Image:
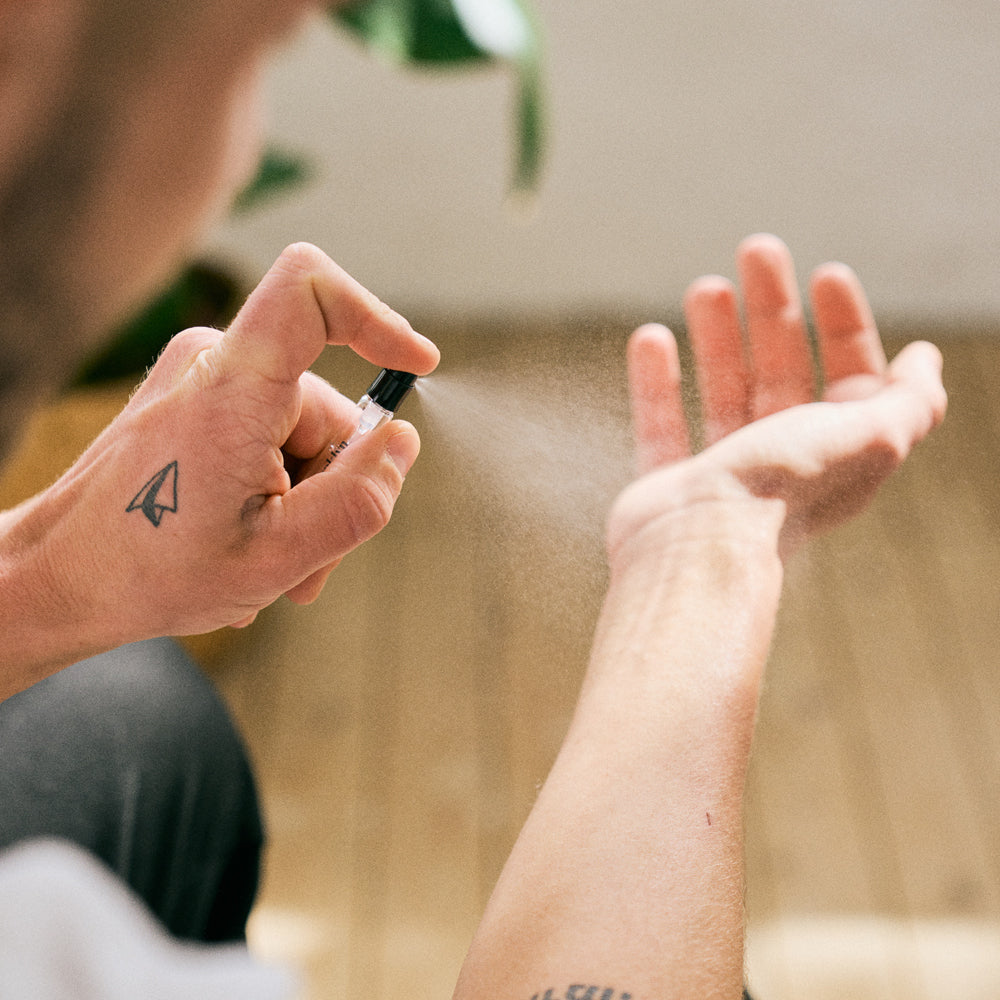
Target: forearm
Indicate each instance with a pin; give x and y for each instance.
(48, 620)
(627, 879)
(628, 875)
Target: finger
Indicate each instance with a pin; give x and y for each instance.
(310, 588)
(328, 515)
(782, 365)
(853, 358)
(911, 403)
(717, 341)
(658, 420)
(917, 370)
(304, 302)
(325, 415)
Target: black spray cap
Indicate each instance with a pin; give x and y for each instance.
(389, 388)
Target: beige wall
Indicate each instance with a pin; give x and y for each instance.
(863, 130)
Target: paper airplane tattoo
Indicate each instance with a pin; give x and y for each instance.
(158, 495)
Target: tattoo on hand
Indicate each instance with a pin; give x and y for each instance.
(580, 992)
(159, 494)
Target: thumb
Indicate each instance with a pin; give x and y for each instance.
(327, 515)
(914, 400)
(918, 366)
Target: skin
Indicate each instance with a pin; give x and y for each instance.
(628, 874)
(126, 131)
(237, 411)
(629, 871)
(168, 100)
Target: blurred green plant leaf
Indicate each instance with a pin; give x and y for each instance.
(443, 32)
(277, 172)
(409, 32)
(417, 31)
(201, 295)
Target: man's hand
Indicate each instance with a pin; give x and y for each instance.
(775, 457)
(185, 514)
(629, 870)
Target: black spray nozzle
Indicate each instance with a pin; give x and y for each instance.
(389, 388)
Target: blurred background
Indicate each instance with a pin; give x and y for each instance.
(858, 131)
(402, 725)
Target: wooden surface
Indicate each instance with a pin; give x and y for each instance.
(402, 725)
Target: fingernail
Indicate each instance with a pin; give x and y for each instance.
(403, 448)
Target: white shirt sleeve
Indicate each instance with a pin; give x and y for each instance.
(69, 930)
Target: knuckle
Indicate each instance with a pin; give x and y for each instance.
(179, 354)
(188, 343)
(301, 259)
(373, 315)
(367, 507)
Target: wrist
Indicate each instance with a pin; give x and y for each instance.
(49, 618)
(691, 509)
(696, 578)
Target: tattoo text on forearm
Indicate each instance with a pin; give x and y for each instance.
(581, 992)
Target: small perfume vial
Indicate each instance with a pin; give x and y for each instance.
(382, 399)
(378, 405)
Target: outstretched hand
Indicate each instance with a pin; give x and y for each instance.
(810, 464)
(186, 514)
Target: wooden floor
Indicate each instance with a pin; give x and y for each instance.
(402, 725)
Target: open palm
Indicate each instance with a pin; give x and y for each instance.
(771, 432)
